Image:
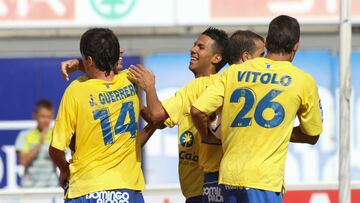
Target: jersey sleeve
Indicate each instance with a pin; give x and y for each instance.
(213, 96)
(175, 107)
(65, 123)
(169, 123)
(310, 112)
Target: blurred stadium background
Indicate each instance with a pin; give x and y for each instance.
(35, 35)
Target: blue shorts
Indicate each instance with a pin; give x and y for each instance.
(113, 196)
(249, 195)
(211, 189)
(196, 199)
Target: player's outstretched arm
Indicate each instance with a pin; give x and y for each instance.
(58, 157)
(145, 114)
(145, 79)
(200, 121)
(299, 137)
(144, 135)
(70, 66)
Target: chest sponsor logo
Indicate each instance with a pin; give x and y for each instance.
(187, 139)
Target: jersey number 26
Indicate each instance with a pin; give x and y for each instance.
(265, 103)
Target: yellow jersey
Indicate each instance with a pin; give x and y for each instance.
(260, 100)
(104, 117)
(194, 157)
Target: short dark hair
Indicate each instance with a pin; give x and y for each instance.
(241, 41)
(43, 103)
(221, 42)
(283, 34)
(103, 46)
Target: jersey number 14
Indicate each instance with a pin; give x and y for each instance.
(120, 126)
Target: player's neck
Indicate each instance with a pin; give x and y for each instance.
(279, 56)
(240, 61)
(206, 72)
(100, 75)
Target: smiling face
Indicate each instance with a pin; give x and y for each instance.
(202, 54)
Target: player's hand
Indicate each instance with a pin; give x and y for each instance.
(68, 67)
(141, 76)
(211, 139)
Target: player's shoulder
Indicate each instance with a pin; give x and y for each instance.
(304, 76)
(196, 82)
(245, 64)
(79, 80)
(201, 83)
(75, 86)
(254, 62)
(189, 87)
(123, 73)
(122, 76)
(233, 67)
(194, 86)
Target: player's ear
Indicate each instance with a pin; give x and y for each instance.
(90, 61)
(296, 46)
(265, 42)
(216, 58)
(245, 56)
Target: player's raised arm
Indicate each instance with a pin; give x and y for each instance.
(144, 135)
(145, 79)
(70, 66)
(205, 105)
(200, 120)
(145, 113)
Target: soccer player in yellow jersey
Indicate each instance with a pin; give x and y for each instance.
(102, 109)
(207, 58)
(260, 99)
(243, 46)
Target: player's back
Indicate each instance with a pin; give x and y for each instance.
(262, 98)
(104, 118)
